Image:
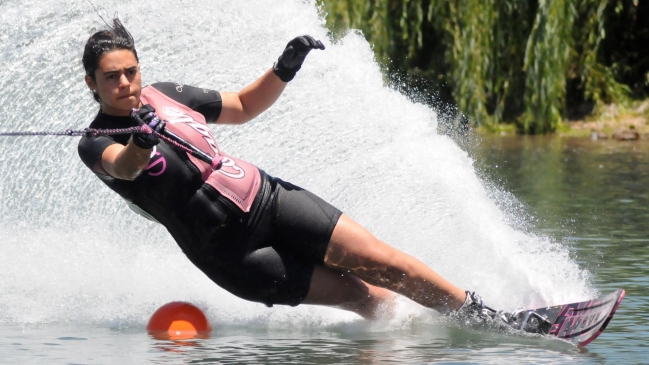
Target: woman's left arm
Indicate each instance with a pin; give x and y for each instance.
(241, 107)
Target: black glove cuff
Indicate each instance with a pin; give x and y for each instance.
(285, 74)
(143, 142)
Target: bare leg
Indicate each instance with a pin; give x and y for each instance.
(345, 291)
(354, 249)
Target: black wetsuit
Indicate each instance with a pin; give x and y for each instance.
(265, 255)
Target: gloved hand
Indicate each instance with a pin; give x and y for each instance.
(293, 56)
(145, 116)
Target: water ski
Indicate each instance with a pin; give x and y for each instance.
(579, 323)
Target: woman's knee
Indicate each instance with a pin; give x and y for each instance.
(332, 287)
(346, 291)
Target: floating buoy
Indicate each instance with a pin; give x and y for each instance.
(178, 321)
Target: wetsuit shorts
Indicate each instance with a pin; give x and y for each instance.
(268, 255)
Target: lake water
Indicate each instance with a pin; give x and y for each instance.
(587, 195)
(525, 222)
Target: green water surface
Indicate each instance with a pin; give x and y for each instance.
(593, 196)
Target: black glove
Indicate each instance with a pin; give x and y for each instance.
(293, 56)
(145, 117)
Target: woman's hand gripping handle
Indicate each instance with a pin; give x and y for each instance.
(150, 123)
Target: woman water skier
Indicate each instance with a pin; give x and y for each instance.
(260, 238)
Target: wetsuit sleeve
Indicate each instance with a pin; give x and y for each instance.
(90, 150)
(205, 101)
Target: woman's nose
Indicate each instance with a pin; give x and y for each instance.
(123, 81)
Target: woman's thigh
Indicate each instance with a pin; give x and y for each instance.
(303, 222)
(353, 247)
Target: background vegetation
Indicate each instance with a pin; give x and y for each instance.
(534, 63)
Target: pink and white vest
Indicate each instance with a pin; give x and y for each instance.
(236, 179)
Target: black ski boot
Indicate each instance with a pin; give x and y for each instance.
(474, 310)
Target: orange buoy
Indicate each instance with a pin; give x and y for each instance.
(178, 321)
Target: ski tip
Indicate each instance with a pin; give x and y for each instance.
(615, 297)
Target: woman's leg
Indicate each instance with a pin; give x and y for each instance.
(354, 249)
(345, 291)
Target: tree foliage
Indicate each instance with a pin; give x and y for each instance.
(531, 62)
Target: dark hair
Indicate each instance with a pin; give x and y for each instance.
(114, 38)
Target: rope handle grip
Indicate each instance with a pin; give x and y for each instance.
(215, 162)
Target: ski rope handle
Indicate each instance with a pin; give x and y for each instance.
(214, 162)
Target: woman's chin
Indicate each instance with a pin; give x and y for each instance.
(128, 102)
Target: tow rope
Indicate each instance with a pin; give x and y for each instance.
(170, 137)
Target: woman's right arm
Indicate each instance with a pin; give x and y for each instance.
(125, 162)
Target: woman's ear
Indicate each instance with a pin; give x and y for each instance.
(91, 83)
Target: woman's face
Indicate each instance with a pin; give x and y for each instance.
(117, 81)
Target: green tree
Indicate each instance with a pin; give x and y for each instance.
(531, 62)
